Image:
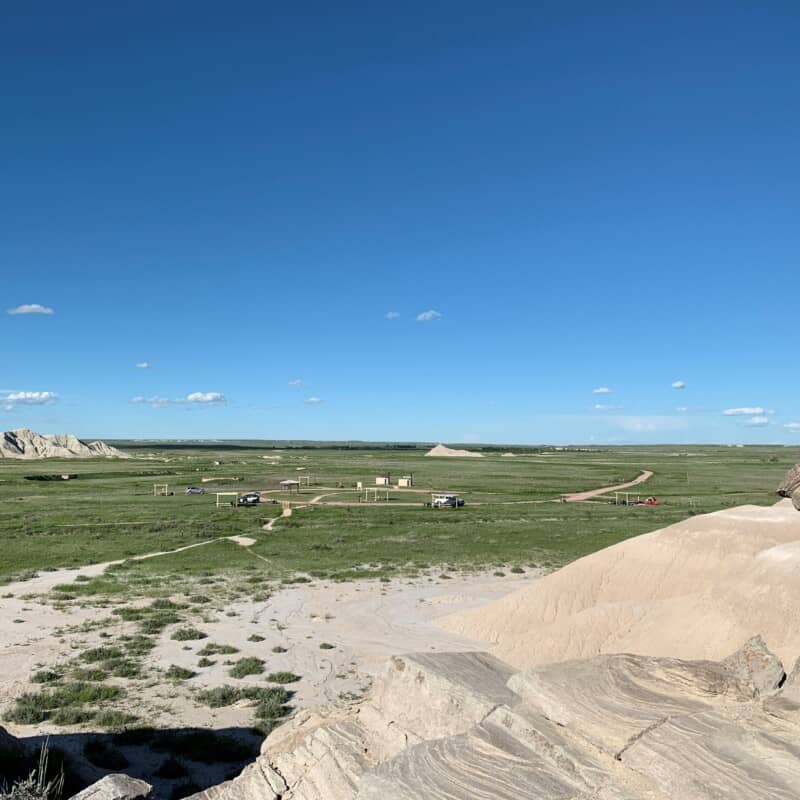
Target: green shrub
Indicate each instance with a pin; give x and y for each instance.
(71, 716)
(187, 635)
(254, 637)
(212, 649)
(177, 673)
(205, 662)
(46, 676)
(283, 677)
(246, 666)
(100, 654)
(279, 649)
(326, 646)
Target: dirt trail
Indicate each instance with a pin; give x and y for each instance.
(287, 512)
(577, 496)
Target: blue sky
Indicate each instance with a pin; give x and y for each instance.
(587, 196)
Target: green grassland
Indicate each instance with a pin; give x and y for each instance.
(109, 512)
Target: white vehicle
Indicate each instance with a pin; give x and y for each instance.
(447, 500)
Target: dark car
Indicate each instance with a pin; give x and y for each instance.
(249, 499)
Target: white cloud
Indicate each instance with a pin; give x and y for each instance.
(601, 390)
(392, 314)
(194, 398)
(679, 385)
(757, 422)
(296, 382)
(144, 365)
(313, 401)
(13, 399)
(792, 426)
(205, 397)
(602, 407)
(427, 316)
(745, 411)
(31, 308)
(682, 409)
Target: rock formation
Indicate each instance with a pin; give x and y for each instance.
(613, 727)
(441, 451)
(790, 487)
(116, 787)
(24, 443)
(696, 589)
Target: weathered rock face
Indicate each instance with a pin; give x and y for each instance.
(613, 727)
(116, 787)
(24, 443)
(693, 590)
(790, 487)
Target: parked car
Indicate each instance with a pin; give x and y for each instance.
(249, 499)
(195, 490)
(448, 501)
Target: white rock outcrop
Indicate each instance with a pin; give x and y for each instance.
(442, 451)
(696, 589)
(25, 443)
(448, 726)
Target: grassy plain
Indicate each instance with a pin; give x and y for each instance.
(109, 512)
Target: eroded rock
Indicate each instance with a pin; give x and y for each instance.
(790, 486)
(116, 787)
(614, 727)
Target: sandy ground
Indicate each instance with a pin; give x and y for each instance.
(578, 496)
(365, 621)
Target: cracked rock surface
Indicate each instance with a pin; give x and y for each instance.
(612, 727)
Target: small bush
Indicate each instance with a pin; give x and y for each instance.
(254, 637)
(212, 649)
(177, 673)
(283, 677)
(114, 721)
(101, 654)
(326, 646)
(71, 716)
(279, 649)
(46, 676)
(89, 674)
(246, 666)
(517, 570)
(188, 635)
(205, 662)
(199, 599)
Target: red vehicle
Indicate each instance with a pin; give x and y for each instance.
(651, 501)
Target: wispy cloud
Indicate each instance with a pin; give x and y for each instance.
(313, 401)
(427, 316)
(604, 407)
(392, 315)
(297, 382)
(744, 411)
(194, 398)
(205, 397)
(679, 384)
(13, 399)
(757, 422)
(794, 427)
(601, 390)
(144, 365)
(31, 308)
(682, 409)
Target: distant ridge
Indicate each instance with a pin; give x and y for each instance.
(25, 443)
(441, 451)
